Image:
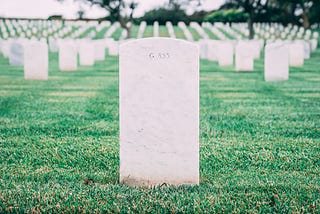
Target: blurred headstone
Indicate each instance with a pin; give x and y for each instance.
(36, 61)
(276, 65)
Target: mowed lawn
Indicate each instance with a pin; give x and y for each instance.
(259, 143)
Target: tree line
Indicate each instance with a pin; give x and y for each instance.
(298, 12)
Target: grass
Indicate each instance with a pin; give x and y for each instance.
(148, 32)
(259, 143)
(163, 31)
(179, 33)
(87, 32)
(210, 34)
(196, 36)
(100, 34)
(227, 35)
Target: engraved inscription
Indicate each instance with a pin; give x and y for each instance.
(155, 56)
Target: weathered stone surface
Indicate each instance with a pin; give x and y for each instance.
(159, 112)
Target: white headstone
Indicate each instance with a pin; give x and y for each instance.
(113, 48)
(99, 50)
(212, 49)
(244, 57)
(68, 56)
(159, 112)
(276, 64)
(314, 44)
(225, 56)
(16, 56)
(54, 45)
(6, 45)
(86, 53)
(156, 29)
(36, 61)
(296, 54)
(306, 49)
(203, 47)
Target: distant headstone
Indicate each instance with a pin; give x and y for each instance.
(16, 56)
(53, 45)
(296, 54)
(5, 48)
(159, 112)
(113, 48)
(212, 47)
(314, 44)
(156, 29)
(306, 49)
(203, 47)
(99, 50)
(276, 67)
(244, 57)
(86, 53)
(36, 61)
(68, 56)
(225, 56)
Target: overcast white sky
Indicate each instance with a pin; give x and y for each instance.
(45, 8)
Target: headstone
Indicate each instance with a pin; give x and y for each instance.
(306, 49)
(225, 56)
(276, 64)
(68, 56)
(113, 48)
(212, 47)
(314, 44)
(99, 50)
(244, 57)
(159, 112)
(86, 53)
(203, 47)
(156, 29)
(296, 54)
(53, 45)
(36, 61)
(16, 56)
(6, 45)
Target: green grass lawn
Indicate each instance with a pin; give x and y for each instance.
(259, 143)
(179, 33)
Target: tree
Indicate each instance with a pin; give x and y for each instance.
(251, 7)
(162, 15)
(119, 10)
(307, 10)
(227, 16)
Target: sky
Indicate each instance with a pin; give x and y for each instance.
(45, 8)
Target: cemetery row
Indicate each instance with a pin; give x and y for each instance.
(52, 30)
(279, 55)
(159, 138)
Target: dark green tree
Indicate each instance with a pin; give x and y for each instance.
(227, 16)
(118, 10)
(253, 8)
(307, 11)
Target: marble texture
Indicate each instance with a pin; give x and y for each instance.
(159, 112)
(68, 56)
(276, 64)
(36, 61)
